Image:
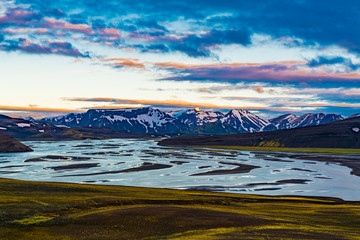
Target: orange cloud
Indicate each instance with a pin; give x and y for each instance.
(214, 65)
(355, 92)
(122, 62)
(127, 64)
(25, 30)
(173, 103)
(54, 23)
(281, 71)
(259, 89)
(35, 112)
(36, 109)
(110, 31)
(337, 91)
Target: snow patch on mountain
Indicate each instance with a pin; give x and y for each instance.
(288, 121)
(23, 125)
(192, 121)
(355, 115)
(244, 121)
(198, 117)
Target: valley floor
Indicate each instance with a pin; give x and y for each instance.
(42, 210)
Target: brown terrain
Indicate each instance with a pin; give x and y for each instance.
(340, 134)
(9, 144)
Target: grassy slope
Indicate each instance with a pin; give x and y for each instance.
(38, 210)
(337, 135)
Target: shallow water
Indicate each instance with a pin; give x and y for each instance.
(134, 162)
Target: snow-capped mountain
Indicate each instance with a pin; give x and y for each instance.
(135, 120)
(71, 119)
(284, 121)
(193, 122)
(197, 117)
(29, 119)
(355, 115)
(288, 121)
(244, 121)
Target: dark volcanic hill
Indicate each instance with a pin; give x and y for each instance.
(340, 134)
(22, 129)
(9, 144)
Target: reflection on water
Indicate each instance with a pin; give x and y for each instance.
(135, 162)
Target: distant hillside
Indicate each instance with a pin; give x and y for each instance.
(340, 134)
(9, 144)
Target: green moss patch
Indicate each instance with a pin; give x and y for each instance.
(40, 210)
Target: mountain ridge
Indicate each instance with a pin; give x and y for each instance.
(154, 121)
(149, 122)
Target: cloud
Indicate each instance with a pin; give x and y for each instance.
(271, 72)
(36, 109)
(19, 16)
(122, 62)
(326, 91)
(64, 25)
(259, 89)
(324, 60)
(266, 72)
(48, 47)
(173, 103)
(211, 23)
(200, 46)
(25, 30)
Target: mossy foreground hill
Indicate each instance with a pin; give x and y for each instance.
(38, 210)
(340, 134)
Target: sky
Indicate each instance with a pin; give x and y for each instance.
(269, 57)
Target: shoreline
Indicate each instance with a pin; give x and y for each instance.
(277, 149)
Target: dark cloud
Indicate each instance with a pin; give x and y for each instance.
(54, 12)
(199, 46)
(308, 22)
(27, 46)
(322, 60)
(19, 16)
(194, 45)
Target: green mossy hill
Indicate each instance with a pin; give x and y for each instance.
(39, 210)
(340, 134)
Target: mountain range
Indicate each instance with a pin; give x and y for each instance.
(188, 122)
(140, 122)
